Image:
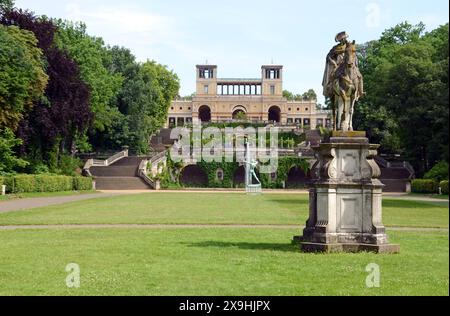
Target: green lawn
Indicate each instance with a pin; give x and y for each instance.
(195, 208)
(42, 194)
(203, 262)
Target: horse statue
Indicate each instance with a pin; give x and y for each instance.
(343, 82)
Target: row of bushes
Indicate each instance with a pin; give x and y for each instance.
(45, 183)
(429, 186)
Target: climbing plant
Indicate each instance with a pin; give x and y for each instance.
(170, 176)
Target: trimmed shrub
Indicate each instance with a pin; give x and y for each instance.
(424, 186)
(444, 187)
(45, 183)
(48, 183)
(24, 184)
(82, 184)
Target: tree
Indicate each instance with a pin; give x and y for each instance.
(93, 59)
(288, 95)
(22, 76)
(55, 122)
(310, 95)
(6, 5)
(406, 80)
(8, 159)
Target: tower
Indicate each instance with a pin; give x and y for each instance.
(206, 80)
(272, 80)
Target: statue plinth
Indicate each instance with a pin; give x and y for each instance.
(346, 198)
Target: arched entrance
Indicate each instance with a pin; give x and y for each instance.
(297, 178)
(204, 114)
(193, 176)
(239, 113)
(239, 177)
(275, 114)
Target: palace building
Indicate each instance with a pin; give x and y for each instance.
(260, 100)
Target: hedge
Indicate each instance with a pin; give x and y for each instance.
(424, 186)
(82, 184)
(444, 187)
(45, 183)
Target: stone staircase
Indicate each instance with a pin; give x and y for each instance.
(313, 137)
(122, 175)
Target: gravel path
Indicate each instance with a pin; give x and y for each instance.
(178, 226)
(30, 203)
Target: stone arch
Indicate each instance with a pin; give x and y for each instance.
(193, 176)
(239, 109)
(275, 114)
(239, 176)
(204, 114)
(297, 178)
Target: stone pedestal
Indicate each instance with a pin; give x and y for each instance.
(346, 198)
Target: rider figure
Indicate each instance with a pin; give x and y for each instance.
(334, 59)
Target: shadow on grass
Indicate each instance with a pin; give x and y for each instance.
(246, 246)
(297, 202)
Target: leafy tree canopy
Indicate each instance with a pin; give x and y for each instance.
(92, 57)
(8, 159)
(406, 107)
(22, 76)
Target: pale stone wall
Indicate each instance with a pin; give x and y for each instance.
(256, 107)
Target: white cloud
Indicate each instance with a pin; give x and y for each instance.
(117, 22)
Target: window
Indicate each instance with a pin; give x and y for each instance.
(306, 109)
(172, 108)
(172, 122)
(219, 175)
(189, 108)
(272, 90)
(320, 122)
(273, 74)
(290, 109)
(290, 121)
(181, 108)
(298, 109)
(206, 89)
(206, 73)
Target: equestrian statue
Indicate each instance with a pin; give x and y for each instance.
(343, 83)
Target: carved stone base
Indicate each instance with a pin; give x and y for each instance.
(346, 199)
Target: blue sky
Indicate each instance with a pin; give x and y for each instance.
(240, 35)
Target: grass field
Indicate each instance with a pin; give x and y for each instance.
(45, 194)
(195, 208)
(212, 261)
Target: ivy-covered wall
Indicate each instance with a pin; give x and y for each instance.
(170, 178)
